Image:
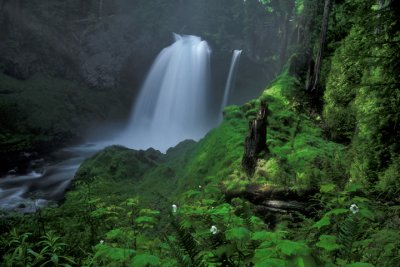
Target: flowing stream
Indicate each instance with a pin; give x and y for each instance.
(172, 106)
(44, 181)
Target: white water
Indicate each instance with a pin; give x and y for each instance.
(230, 82)
(28, 192)
(172, 104)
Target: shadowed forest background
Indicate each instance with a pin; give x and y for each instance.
(300, 169)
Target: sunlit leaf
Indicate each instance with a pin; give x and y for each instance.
(328, 243)
(321, 223)
(145, 260)
(293, 248)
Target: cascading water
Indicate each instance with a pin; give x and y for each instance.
(231, 77)
(172, 104)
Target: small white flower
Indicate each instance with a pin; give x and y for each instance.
(199, 186)
(354, 209)
(213, 230)
(101, 241)
(174, 208)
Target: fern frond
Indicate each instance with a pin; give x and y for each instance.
(347, 235)
(178, 254)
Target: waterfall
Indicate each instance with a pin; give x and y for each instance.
(172, 104)
(231, 77)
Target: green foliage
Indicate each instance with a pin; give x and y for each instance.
(328, 243)
(359, 264)
(51, 251)
(361, 97)
(292, 248)
(300, 156)
(21, 252)
(109, 255)
(118, 212)
(238, 234)
(145, 260)
(389, 179)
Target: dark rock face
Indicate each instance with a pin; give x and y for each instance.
(256, 143)
(97, 41)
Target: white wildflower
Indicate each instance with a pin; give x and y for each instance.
(213, 230)
(174, 208)
(101, 241)
(199, 186)
(354, 209)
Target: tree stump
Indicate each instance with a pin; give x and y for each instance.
(256, 142)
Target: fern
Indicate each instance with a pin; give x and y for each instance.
(187, 243)
(177, 253)
(347, 235)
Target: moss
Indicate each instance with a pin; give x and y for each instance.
(232, 112)
(119, 163)
(297, 145)
(300, 157)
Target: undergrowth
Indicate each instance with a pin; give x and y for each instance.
(144, 208)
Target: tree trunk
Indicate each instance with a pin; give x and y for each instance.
(256, 142)
(324, 29)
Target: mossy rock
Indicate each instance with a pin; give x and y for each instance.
(119, 163)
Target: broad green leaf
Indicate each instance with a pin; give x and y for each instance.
(145, 219)
(271, 263)
(273, 237)
(115, 233)
(327, 188)
(227, 249)
(192, 193)
(220, 210)
(293, 248)
(360, 200)
(337, 212)
(260, 236)
(238, 233)
(359, 264)
(303, 261)
(262, 254)
(328, 242)
(208, 202)
(145, 260)
(353, 187)
(149, 212)
(132, 201)
(367, 213)
(54, 259)
(323, 222)
(110, 253)
(98, 213)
